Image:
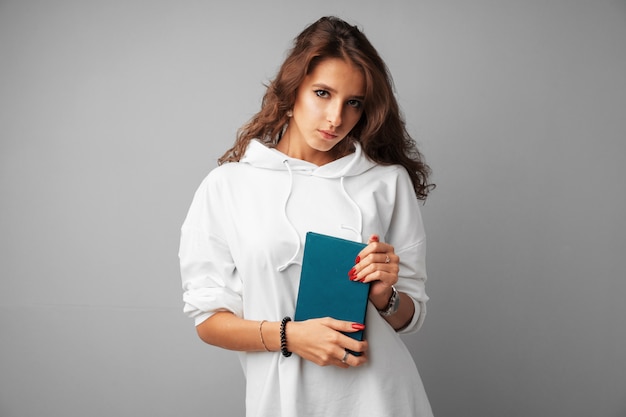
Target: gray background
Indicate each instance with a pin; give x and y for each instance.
(112, 112)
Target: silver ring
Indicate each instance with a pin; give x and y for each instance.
(345, 356)
(387, 260)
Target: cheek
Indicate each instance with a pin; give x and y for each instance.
(310, 107)
(353, 118)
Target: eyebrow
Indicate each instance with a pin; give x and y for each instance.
(332, 90)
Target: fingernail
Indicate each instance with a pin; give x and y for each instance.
(352, 274)
(357, 260)
(358, 326)
(375, 238)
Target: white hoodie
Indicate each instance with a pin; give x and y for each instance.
(241, 251)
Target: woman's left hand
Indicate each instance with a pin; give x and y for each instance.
(377, 264)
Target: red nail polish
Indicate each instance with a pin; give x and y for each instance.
(375, 238)
(358, 326)
(357, 260)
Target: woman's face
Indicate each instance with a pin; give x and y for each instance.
(329, 103)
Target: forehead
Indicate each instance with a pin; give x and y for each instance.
(338, 74)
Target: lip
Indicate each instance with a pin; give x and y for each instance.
(328, 134)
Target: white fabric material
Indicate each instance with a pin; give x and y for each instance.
(241, 251)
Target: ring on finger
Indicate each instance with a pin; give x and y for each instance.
(345, 356)
(387, 259)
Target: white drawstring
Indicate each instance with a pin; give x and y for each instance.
(358, 210)
(293, 228)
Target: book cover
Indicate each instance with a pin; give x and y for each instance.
(325, 288)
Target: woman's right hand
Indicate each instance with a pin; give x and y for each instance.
(321, 341)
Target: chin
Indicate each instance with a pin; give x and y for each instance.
(324, 145)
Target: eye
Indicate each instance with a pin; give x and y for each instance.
(355, 103)
(322, 93)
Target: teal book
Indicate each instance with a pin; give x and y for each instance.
(325, 287)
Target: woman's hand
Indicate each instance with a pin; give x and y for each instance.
(317, 340)
(377, 264)
(321, 341)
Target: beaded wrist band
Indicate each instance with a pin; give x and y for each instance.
(283, 337)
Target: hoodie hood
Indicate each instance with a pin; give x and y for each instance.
(260, 156)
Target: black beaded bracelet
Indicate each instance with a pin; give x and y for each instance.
(283, 337)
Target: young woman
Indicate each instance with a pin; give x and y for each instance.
(328, 152)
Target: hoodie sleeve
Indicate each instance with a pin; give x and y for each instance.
(209, 276)
(406, 233)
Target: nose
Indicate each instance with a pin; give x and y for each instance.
(333, 113)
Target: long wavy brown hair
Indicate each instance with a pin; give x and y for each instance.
(381, 131)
